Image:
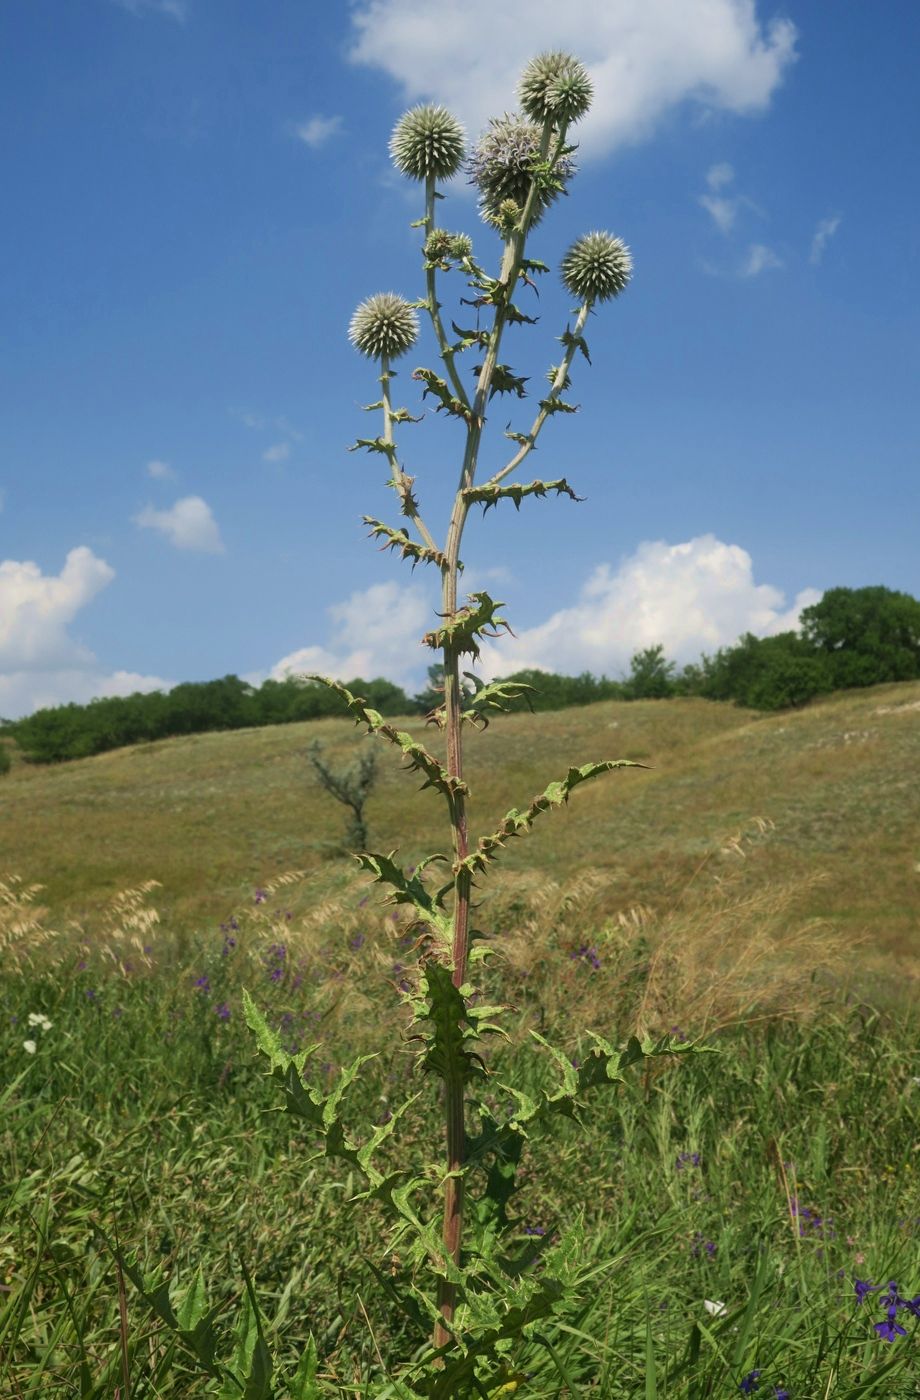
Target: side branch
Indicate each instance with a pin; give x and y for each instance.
(408, 548)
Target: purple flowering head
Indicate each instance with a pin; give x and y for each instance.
(260, 896)
(750, 1383)
(534, 1230)
(222, 1012)
(687, 1159)
(780, 1393)
(863, 1287)
(356, 942)
(203, 984)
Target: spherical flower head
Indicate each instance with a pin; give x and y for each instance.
(502, 167)
(597, 267)
(461, 246)
(555, 85)
(384, 325)
(428, 141)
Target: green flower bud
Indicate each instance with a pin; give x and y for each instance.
(596, 267)
(555, 85)
(428, 141)
(385, 324)
(461, 246)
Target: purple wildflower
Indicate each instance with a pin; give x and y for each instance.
(687, 1159)
(863, 1287)
(356, 942)
(701, 1246)
(534, 1230)
(750, 1383)
(260, 896)
(222, 1011)
(203, 984)
(780, 1393)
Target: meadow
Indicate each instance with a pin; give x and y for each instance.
(756, 887)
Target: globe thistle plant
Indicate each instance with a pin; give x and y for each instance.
(428, 143)
(597, 267)
(555, 86)
(482, 1292)
(384, 327)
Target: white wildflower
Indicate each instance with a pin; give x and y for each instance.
(715, 1309)
(37, 1018)
(29, 1046)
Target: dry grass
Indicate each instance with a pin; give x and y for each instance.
(212, 816)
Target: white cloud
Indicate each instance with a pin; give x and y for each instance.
(189, 524)
(160, 471)
(724, 211)
(719, 175)
(759, 259)
(40, 663)
(823, 235)
(691, 598)
(645, 57)
(172, 9)
(375, 632)
(279, 453)
(318, 130)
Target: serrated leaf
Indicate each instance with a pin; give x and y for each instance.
(408, 548)
(556, 794)
(488, 495)
(478, 619)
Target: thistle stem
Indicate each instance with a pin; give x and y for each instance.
(558, 384)
(402, 483)
(455, 1094)
(434, 306)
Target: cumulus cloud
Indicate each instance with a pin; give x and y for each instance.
(160, 471)
(280, 452)
(759, 259)
(375, 632)
(645, 57)
(317, 131)
(823, 235)
(691, 598)
(189, 524)
(40, 662)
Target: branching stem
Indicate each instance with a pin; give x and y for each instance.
(401, 481)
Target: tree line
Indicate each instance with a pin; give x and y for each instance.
(852, 637)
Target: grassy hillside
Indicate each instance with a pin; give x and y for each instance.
(211, 816)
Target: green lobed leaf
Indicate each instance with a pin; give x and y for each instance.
(440, 390)
(478, 619)
(408, 548)
(488, 495)
(517, 823)
(417, 756)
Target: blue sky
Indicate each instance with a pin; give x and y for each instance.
(197, 194)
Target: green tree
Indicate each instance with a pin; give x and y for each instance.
(871, 635)
(651, 675)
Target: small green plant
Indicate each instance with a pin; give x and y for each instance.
(472, 1279)
(352, 786)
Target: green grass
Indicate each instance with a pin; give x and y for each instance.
(144, 1124)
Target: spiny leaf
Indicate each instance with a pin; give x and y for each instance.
(376, 444)
(471, 337)
(505, 381)
(573, 342)
(516, 823)
(556, 405)
(417, 756)
(515, 316)
(407, 890)
(497, 695)
(487, 495)
(440, 390)
(408, 548)
(479, 619)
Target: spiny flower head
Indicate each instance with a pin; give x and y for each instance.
(555, 85)
(596, 267)
(385, 324)
(503, 164)
(428, 141)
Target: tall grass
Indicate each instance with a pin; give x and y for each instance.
(767, 1181)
